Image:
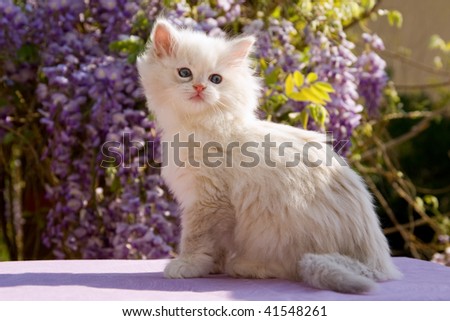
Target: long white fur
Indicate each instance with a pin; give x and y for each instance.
(314, 224)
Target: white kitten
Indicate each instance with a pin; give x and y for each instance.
(247, 210)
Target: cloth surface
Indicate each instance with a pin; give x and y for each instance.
(143, 280)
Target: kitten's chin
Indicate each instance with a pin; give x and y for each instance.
(198, 108)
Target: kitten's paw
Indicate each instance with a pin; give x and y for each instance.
(181, 268)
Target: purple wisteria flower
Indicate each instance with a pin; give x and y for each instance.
(372, 74)
(210, 20)
(334, 62)
(274, 44)
(89, 95)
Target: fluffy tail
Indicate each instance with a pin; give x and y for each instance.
(337, 272)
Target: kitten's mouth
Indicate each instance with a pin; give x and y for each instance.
(197, 97)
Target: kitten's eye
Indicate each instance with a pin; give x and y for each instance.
(215, 78)
(184, 72)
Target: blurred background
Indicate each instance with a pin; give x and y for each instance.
(374, 73)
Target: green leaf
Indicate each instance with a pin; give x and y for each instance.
(318, 113)
(304, 118)
(298, 96)
(436, 42)
(276, 13)
(355, 9)
(315, 96)
(132, 46)
(263, 63)
(368, 4)
(313, 111)
(299, 79)
(320, 93)
(322, 114)
(289, 85)
(395, 18)
(431, 200)
(272, 78)
(141, 22)
(311, 77)
(323, 86)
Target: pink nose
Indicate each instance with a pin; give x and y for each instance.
(199, 88)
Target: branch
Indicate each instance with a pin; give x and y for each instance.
(24, 139)
(414, 63)
(390, 213)
(3, 217)
(424, 86)
(410, 115)
(401, 187)
(394, 229)
(415, 130)
(416, 207)
(426, 190)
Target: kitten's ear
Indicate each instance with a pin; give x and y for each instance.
(163, 38)
(241, 48)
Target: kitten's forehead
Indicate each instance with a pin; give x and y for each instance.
(200, 50)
